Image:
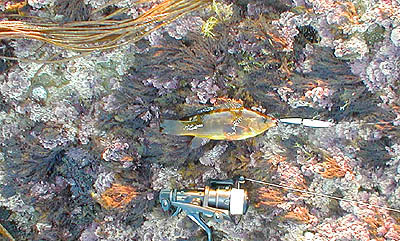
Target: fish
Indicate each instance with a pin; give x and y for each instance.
(227, 121)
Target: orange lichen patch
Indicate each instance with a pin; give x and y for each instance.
(117, 196)
(269, 197)
(276, 39)
(396, 229)
(396, 108)
(330, 168)
(301, 214)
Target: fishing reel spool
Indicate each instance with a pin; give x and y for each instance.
(220, 199)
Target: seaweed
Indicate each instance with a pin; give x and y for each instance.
(57, 183)
(193, 57)
(72, 10)
(307, 35)
(7, 228)
(7, 51)
(374, 154)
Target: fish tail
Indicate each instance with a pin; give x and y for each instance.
(172, 127)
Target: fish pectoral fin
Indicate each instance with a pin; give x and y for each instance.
(197, 142)
(230, 133)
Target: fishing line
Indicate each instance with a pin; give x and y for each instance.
(321, 195)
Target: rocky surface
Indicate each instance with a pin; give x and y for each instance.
(70, 131)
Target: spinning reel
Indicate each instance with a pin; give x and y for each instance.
(220, 199)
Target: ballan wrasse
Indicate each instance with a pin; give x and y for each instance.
(227, 121)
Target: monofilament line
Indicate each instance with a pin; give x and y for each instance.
(321, 195)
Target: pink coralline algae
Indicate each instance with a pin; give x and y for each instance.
(43, 190)
(115, 151)
(51, 137)
(380, 72)
(320, 96)
(290, 175)
(348, 227)
(355, 47)
(162, 85)
(182, 26)
(110, 103)
(204, 90)
(87, 129)
(212, 157)
(118, 151)
(39, 3)
(395, 36)
(15, 86)
(177, 29)
(286, 26)
(104, 181)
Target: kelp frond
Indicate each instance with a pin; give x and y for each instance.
(86, 36)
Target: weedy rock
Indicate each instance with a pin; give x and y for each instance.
(57, 183)
(189, 60)
(74, 128)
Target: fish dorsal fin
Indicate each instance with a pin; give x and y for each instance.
(227, 103)
(220, 103)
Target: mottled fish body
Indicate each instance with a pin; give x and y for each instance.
(221, 124)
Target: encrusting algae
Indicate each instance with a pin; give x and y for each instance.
(227, 121)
